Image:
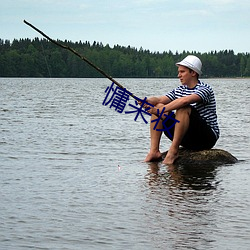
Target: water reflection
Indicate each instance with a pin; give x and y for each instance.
(183, 177)
(183, 197)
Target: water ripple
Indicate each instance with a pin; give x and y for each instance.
(72, 175)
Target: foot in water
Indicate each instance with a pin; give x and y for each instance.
(153, 156)
(170, 157)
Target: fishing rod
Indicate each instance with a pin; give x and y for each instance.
(80, 56)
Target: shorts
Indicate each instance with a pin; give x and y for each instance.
(199, 135)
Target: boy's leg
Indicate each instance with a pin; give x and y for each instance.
(182, 115)
(155, 137)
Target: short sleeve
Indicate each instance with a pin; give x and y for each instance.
(171, 95)
(204, 93)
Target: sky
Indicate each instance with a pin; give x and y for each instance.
(155, 25)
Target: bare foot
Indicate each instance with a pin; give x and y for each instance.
(153, 156)
(170, 157)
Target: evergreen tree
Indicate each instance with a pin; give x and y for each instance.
(41, 58)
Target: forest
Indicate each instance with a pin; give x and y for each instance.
(41, 58)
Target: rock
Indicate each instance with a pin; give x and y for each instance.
(205, 157)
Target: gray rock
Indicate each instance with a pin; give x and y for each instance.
(204, 157)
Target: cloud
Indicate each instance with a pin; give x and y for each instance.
(222, 2)
(225, 5)
(83, 6)
(152, 24)
(149, 2)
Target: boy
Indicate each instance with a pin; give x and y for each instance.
(195, 107)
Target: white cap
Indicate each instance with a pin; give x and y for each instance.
(191, 62)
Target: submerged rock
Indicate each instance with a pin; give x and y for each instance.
(204, 157)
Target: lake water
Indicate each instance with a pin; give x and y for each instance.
(72, 174)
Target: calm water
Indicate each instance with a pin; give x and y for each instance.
(72, 175)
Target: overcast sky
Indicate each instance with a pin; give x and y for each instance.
(157, 25)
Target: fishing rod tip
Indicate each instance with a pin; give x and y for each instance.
(26, 22)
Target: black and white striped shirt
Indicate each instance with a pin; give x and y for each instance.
(206, 108)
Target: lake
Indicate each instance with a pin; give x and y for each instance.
(72, 173)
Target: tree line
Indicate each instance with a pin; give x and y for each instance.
(41, 58)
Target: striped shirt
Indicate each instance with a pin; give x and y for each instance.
(206, 108)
